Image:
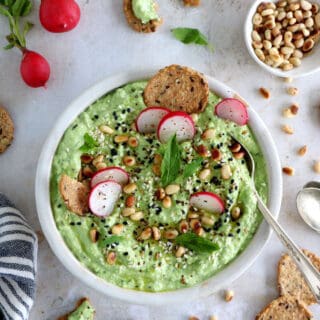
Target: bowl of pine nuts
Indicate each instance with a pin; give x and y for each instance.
(283, 36)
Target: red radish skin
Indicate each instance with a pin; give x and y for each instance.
(233, 110)
(103, 198)
(149, 118)
(59, 15)
(34, 69)
(179, 123)
(208, 201)
(116, 174)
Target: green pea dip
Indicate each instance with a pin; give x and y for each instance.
(145, 10)
(152, 265)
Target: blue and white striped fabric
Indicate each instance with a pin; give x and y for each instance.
(18, 263)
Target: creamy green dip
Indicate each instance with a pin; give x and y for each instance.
(84, 312)
(152, 265)
(145, 10)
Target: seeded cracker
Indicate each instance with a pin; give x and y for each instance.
(291, 281)
(75, 194)
(285, 308)
(177, 88)
(6, 129)
(79, 303)
(136, 23)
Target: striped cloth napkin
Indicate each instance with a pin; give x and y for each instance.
(18, 263)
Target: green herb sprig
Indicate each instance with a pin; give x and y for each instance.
(89, 143)
(191, 35)
(14, 10)
(192, 168)
(196, 243)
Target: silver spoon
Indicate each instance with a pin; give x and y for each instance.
(309, 272)
(312, 184)
(308, 204)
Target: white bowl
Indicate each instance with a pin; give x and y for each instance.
(56, 242)
(310, 64)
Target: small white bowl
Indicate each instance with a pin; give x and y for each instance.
(309, 64)
(58, 246)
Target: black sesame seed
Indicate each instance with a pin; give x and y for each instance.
(79, 223)
(72, 223)
(113, 152)
(125, 253)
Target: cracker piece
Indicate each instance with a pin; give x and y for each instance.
(291, 281)
(178, 88)
(6, 129)
(285, 308)
(135, 23)
(79, 303)
(75, 194)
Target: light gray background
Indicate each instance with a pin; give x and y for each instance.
(103, 45)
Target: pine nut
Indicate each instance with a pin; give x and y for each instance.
(94, 235)
(287, 129)
(309, 23)
(267, 12)
(156, 233)
(257, 19)
(236, 147)
(129, 161)
(316, 167)
(207, 221)
(226, 172)
(307, 14)
(292, 21)
(287, 67)
(288, 171)
(286, 50)
(97, 159)
(160, 194)
(264, 92)
(209, 134)
(281, 16)
(171, 234)
(255, 36)
(305, 5)
(156, 169)
(295, 61)
(216, 154)
(302, 151)
(101, 165)
(270, 24)
(277, 40)
(298, 15)
(276, 31)
(298, 54)
(315, 8)
(111, 258)
(204, 174)
(267, 44)
(130, 188)
(294, 108)
(287, 37)
(137, 216)
(195, 117)
(260, 54)
(308, 45)
(145, 234)
(183, 226)
(287, 113)
(180, 252)
(289, 15)
(106, 129)
(317, 20)
(172, 189)
(195, 224)
(292, 91)
(229, 294)
(239, 155)
(192, 215)
(282, 4)
(299, 43)
(121, 139)
(235, 213)
(268, 35)
(257, 44)
(117, 229)
(126, 212)
(199, 231)
(133, 142)
(294, 6)
(166, 202)
(294, 28)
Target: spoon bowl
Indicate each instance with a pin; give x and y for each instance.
(308, 204)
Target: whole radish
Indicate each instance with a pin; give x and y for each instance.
(34, 69)
(59, 15)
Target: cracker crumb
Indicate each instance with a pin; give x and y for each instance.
(288, 171)
(288, 80)
(316, 167)
(264, 92)
(292, 91)
(287, 113)
(287, 129)
(294, 108)
(302, 151)
(229, 294)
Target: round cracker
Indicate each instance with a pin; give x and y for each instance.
(135, 23)
(178, 88)
(291, 281)
(6, 129)
(285, 308)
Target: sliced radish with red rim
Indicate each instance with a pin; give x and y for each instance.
(103, 198)
(233, 110)
(178, 123)
(116, 174)
(207, 201)
(149, 118)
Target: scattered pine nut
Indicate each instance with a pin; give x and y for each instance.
(94, 234)
(193, 318)
(229, 294)
(287, 129)
(316, 167)
(213, 318)
(292, 91)
(288, 80)
(302, 151)
(294, 108)
(287, 113)
(111, 258)
(265, 92)
(288, 171)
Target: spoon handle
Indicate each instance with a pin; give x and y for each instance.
(309, 272)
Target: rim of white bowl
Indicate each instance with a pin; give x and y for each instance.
(295, 72)
(232, 271)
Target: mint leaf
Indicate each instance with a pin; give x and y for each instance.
(109, 240)
(89, 143)
(192, 168)
(196, 243)
(190, 35)
(171, 161)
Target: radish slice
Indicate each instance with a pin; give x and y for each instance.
(207, 201)
(233, 110)
(179, 123)
(116, 174)
(103, 198)
(149, 118)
